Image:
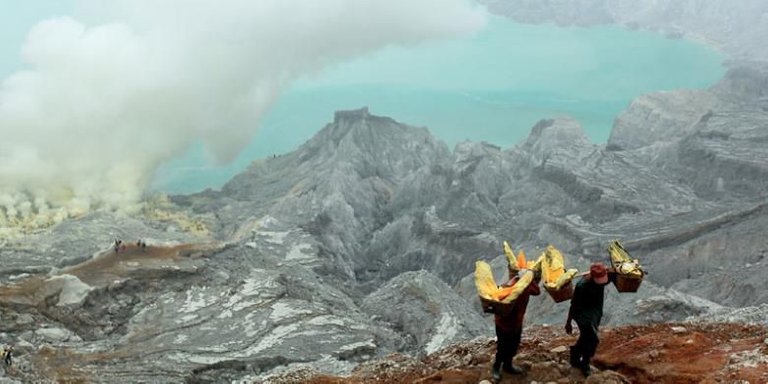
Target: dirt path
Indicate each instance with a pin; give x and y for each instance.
(659, 354)
(110, 266)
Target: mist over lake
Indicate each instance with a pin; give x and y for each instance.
(493, 86)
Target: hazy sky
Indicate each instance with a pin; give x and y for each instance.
(16, 19)
(110, 91)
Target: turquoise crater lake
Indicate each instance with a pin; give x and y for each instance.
(493, 86)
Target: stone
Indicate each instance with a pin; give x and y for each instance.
(70, 289)
(422, 305)
(559, 349)
(55, 335)
(24, 319)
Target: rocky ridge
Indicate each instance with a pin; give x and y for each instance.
(347, 248)
(737, 27)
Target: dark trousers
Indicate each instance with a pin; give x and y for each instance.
(586, 345)
(507, 343)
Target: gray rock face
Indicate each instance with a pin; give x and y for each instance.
(70, 290)
(316, 259)
(426, 310)
(78, 240)
(659, 117)
(428, 208)
(561, 134)
(194, 313)
(749, 315)
(737, 27)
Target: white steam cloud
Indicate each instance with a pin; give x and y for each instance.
(101, 106)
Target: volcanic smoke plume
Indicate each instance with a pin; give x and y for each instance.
(101, 104)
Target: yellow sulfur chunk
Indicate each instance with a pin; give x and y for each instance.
(519, 287)
(534, 265)
(630, 268)
(521, 264)
(552, 266)
(553, 269)
(511, 259)
(487, 288)
(564, 279)
(484, 282)
(622, 262)
(502, 293)
(618, 253)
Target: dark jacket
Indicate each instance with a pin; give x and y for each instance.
(514, 320)
(587, 302)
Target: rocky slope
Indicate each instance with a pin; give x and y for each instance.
(658, 354)
(347, 248)
(737, 27)
(422, 207)
(210, 312)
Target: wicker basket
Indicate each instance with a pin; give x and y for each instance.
(564, 293)
(495, 307)
(625, 283)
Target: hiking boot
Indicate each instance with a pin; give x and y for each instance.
(512, 369)
(575, 359)
(585, 369)
(496, 374)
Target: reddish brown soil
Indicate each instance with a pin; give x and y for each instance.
(712, 353)
(662, 353)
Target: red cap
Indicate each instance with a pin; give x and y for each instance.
(599, 273)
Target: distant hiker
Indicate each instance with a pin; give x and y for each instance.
(117, 245)
(8, 355)
(587, 310)
(509, 329)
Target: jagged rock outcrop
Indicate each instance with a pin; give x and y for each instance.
(302, 261)
(660, 117)
(748, 315)
(423, 207)
(196, 313)
(425, 310)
